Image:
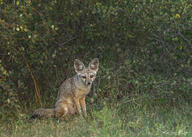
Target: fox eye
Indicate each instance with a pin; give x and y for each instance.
(84, 77)
(91, 76)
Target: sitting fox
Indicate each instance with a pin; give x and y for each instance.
(72, 92)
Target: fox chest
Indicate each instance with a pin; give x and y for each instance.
(81, 92)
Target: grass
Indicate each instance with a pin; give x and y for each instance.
(138, 117)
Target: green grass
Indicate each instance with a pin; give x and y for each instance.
(138, 117)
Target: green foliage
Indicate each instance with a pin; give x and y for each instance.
(9, 99)
(142, 46)
(106, 124)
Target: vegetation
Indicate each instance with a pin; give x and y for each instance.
(144, 82)
(137, 118)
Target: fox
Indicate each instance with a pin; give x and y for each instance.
(72, 92)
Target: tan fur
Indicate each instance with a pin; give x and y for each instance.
(72, 92)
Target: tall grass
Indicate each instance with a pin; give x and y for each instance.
(139, 116)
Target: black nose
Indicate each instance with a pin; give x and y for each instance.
(88, 83)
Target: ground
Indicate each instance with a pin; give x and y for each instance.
(135, 117)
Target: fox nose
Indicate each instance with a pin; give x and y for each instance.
(88, 83)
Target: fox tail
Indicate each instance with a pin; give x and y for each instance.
(42, 112)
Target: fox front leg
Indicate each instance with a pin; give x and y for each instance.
(77, 104)
(83, 106)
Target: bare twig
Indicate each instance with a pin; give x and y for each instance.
(61, 44)
(187, 40)
(37, 90)
(4, 55)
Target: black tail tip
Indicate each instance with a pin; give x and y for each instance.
(35, 116)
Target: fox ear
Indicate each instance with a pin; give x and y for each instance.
(79, 66)
(94, 64)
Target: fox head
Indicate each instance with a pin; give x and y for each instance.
(87, 74)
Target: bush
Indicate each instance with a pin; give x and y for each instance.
(138, 44)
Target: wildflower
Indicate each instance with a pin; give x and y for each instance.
(18, 29)
(8, 101)
(177, 16)
(1, 2)
(17, 3)
(180, 47)
(53, 55)
(25, 29)
(56, 28)
(21, 27)
(52, 26)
